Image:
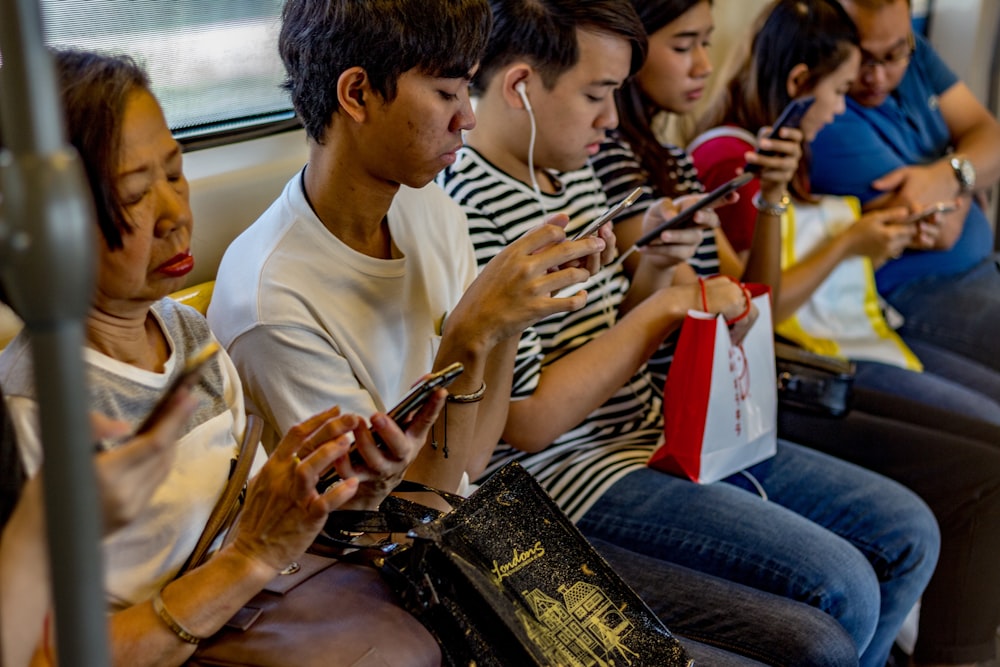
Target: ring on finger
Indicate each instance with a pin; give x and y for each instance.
(296, 460)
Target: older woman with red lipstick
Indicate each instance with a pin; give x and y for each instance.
(137, 342)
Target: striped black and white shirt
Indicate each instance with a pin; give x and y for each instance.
(619, 436)
(619, 171)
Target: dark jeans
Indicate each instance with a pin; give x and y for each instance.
(949, 381)
(959, 313)
(953, 463)
(722, 623)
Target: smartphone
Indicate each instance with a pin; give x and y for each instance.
(607, 215)
(404, 412)
(791, 116)
(187, 378)
(920, 216)
(686, 217)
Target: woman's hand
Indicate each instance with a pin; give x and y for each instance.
(129, 474)
(777, 170)
(674, 246)
(283, 511)
(878, 235)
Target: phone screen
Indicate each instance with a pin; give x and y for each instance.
(686, 217)
(791, 116)
(193, 366)
(607, 215)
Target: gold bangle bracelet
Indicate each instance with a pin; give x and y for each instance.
(171, 622)
(474, 397)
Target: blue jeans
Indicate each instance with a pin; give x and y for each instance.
(949, 381)
(722, 623)
(960, 313)
(831, 535)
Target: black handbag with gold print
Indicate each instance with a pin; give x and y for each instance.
(506, 579)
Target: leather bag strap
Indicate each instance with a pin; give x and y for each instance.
(227, 507)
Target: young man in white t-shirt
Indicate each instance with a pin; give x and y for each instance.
(361, 277)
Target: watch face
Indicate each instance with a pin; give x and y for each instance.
(965, 172)
(968, 173)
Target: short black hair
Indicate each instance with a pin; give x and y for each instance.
(320, 39)
(544, 33)
(95, 88)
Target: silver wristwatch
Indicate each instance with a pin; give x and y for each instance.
(965, 173)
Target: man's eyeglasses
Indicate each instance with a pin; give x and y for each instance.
(895, 59)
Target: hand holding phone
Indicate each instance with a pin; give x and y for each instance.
(187, 378)
(405, 411)
(791, 116)
(929, 212)
(686, 217)
(608, 215)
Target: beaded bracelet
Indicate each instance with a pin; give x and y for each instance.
(171, 622)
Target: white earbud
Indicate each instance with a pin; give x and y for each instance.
(522, 91)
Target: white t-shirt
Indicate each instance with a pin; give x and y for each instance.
(311, 323)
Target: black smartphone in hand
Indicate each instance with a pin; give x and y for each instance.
(187, 378)
(686, 217)
(791, 116)
(406, 409)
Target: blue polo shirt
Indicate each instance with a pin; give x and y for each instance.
(864, 144)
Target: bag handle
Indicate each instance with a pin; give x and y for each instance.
(227, 507)
(395, 515)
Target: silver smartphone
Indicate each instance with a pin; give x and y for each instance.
(925, 213)
(608, 215)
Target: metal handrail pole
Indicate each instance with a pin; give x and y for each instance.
(47, 268)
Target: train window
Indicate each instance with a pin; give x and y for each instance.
(214, 65)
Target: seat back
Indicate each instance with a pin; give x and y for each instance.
(197, 296)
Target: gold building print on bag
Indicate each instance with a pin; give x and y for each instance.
(586, 629)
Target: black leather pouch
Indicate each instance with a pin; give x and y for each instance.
(813, 383)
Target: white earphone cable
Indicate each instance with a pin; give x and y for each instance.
(531, 147)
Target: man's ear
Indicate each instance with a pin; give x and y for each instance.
(515, 82)
(796, 81)
(352, 92)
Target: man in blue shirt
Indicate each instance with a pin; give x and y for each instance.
(915, 135)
